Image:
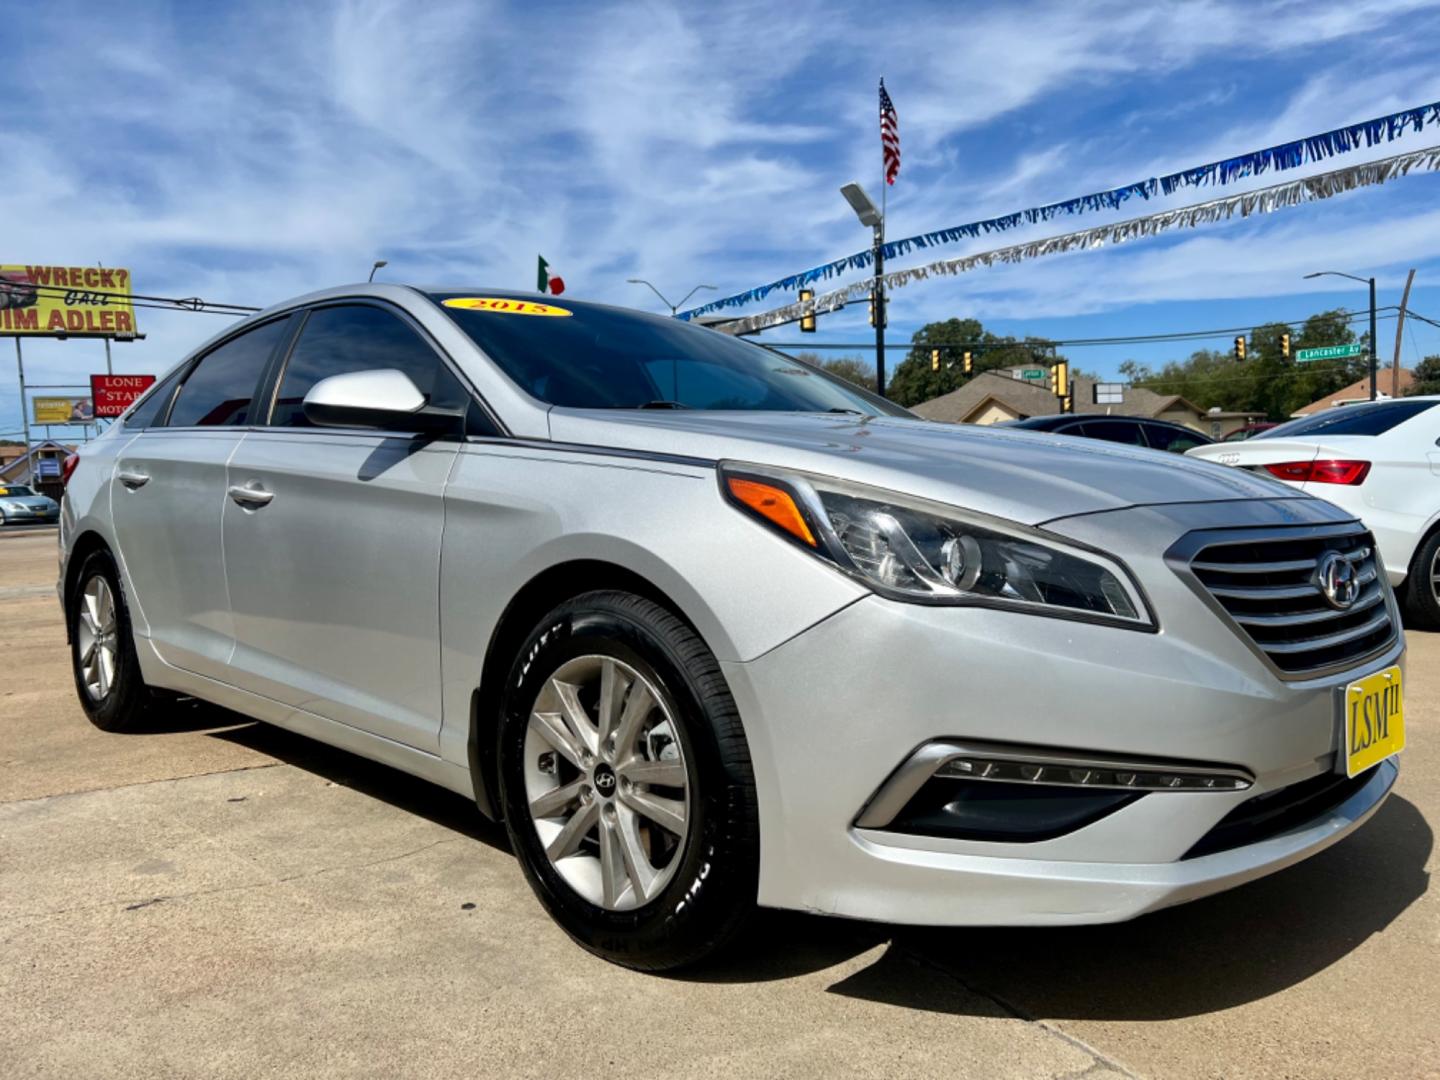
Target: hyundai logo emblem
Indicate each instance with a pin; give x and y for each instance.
(1338, 580)
(604, 779)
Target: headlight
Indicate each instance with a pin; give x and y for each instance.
(911, 549)
(12, 506)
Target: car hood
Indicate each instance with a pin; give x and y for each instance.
(1025, 476)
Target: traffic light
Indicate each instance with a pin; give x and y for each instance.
(1285, 345)
(883, 304)
(1060, 378)
(807, 322)
(1240, 347)
(934, 359)
(967, 362)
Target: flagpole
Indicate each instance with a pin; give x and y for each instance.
(879, 290)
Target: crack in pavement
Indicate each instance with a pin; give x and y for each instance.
(134, 904)
(1099, 1060)
(143, 783)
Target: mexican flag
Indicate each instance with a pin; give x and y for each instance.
(548, 281)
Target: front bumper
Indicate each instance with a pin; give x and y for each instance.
(834, 712)
(31, 515)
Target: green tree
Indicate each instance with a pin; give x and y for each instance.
(852, 369)
(1427, 377)
(914, 379)
(855, 369)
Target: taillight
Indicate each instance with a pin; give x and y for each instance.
(1321, 472)
(67, 467)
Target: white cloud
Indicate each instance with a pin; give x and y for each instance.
(256, 151)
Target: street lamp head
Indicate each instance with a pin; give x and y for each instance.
(865, 210)
(377, 265)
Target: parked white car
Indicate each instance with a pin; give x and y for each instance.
(1381, 461)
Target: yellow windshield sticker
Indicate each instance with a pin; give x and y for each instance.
(503, 306)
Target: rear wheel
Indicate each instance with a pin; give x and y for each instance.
(102, 651)
(627, 785)
(1422, 585)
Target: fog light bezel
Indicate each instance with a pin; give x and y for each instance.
(930, 762)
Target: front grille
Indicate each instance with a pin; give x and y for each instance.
(1268, 584)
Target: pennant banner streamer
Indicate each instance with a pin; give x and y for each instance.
(1289, 155)
(1262, 201)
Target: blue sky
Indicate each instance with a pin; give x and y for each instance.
(249, 152)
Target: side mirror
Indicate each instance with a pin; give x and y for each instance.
(384, 399)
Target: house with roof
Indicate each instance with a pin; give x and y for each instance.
(40, 468)
(993, 397)
(1389, 383)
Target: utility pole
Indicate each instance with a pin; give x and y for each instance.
(1400, 329)
(24, 416)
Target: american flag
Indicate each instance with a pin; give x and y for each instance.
(889, 135)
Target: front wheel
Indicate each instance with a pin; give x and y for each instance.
(627, 786)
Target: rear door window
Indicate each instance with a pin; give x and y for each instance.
(1174, 440)
(359, 337)
(1116, 431)
(220, 390)
(1371, 418)
(150, 410)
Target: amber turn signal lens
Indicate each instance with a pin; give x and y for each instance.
(773, 504)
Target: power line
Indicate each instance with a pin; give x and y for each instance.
(1134, 339)
(143, 300)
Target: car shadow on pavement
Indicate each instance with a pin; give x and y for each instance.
(1201, 957)
(390, 785)
(401, 790)
(1197, 958)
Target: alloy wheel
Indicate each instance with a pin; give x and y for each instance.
(607, 782)
(96, 637)
(1435, 577)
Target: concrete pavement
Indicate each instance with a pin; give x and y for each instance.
(222, 898)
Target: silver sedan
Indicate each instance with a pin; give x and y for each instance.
(711, 630)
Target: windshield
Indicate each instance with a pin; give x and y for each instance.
(19, 491)
(1371, 418)
(589, 357)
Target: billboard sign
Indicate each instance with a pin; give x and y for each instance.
(65, 301)
(62, 410)
(113, 394)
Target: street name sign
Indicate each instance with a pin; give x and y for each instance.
(1328, 352)
(1032, 373)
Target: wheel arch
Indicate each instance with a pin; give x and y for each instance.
(542, 593)
(85, 545)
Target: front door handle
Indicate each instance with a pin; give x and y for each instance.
(132, 479)
(252, 495)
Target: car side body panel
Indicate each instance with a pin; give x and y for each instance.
(514, 512)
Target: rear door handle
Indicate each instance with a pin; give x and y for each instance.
(132, 479)
(251, 495)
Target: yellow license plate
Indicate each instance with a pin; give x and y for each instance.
(1374, 720)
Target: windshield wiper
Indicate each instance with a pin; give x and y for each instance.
(662, 405)
(851, 412)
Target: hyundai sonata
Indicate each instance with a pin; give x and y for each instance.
(710, 629)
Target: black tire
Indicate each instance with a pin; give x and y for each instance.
(712, 893)
(1421, 607)
(123, 706)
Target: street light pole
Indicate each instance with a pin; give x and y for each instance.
(879, 290)
(675, 307)
(1374, 342)
(871, 215)
(1373, 331)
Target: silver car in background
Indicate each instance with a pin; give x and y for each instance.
(709, 629)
